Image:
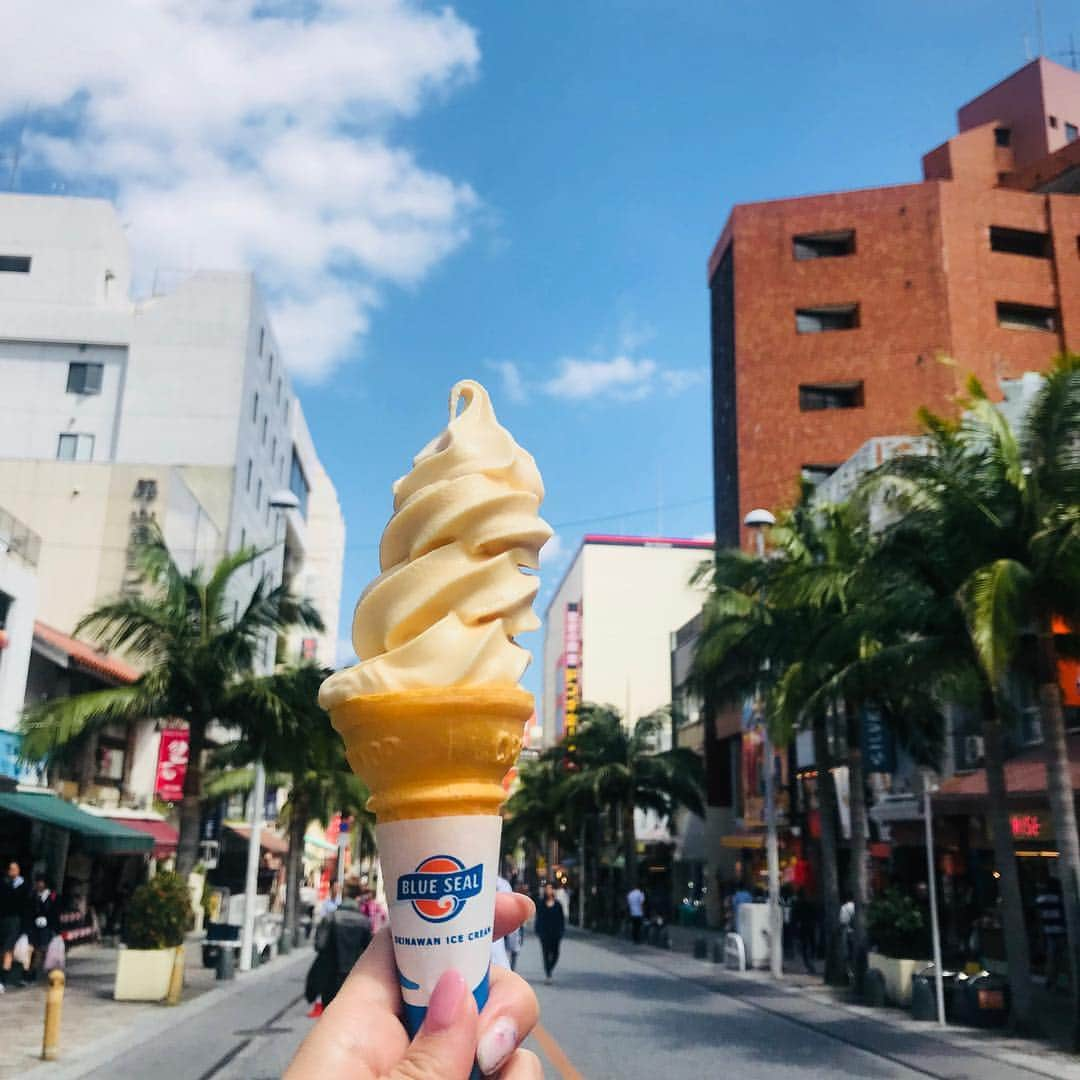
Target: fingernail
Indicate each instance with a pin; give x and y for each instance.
(445, 1003)
(496, 1045)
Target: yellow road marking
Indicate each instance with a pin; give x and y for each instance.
(554, 1053)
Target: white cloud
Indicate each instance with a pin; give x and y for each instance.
(554, 553)
(253, 133)
(621, 378)
(513, 385)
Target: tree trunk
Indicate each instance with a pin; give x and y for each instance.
(297, 827)
(830, 879)
(87, 768)
(860, 877)
(187, 846)
(1012, 904)
(629, 838)
(1062, 806)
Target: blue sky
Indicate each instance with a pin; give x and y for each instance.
(525, 193)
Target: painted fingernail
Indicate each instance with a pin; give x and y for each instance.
(496, 1045)
(445, 1003)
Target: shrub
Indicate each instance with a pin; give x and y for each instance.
(896, 926)
(159, 913)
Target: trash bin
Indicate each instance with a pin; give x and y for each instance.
(874, 989)
(985, 1001)
(924, 994)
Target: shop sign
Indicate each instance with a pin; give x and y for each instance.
(171, 764)
(1030, 825)
(571, 666)
(878, 741)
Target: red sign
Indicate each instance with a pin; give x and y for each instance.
(1025, 826)
(571, 663)
(172, 764)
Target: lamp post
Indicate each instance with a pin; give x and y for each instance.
(280, 501)
(931, 881)
(759, 520)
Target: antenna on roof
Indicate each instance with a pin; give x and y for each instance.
(1072, 52)
(1039, 28)
(16, 154)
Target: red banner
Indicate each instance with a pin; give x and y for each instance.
(171, 764)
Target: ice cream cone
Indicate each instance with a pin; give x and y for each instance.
(434, 752)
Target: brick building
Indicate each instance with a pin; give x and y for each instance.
(831, 313)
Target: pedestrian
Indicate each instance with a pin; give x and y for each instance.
(44, 921)
(1052, 921)
(847, 930)
(339, 942)
(500, 952)
(14, 908)
(742, 895)
(635, 905)
(804, 923)
(550, 925)
(331, 903)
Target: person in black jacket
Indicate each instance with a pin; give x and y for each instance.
(14, 909)
(43, 921)
(340, 940)
(550, 925)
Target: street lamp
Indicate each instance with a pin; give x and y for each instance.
(759, 520)
(279, 501)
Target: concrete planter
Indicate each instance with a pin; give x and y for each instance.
(143, 974)
(897, 975)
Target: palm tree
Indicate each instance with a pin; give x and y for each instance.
(1015, 502)
(611, 766)
(535, 811)
(197, 658)
(292, 736)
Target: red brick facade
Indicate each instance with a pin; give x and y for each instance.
(927, 284)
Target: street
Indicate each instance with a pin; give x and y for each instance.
(612, 1012)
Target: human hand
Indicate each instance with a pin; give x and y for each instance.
(361, 1036)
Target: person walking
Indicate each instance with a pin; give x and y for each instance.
(14, 908)
(550, 926)
(635, 906)
(1052, 921)
(339, 941)
(44, 922)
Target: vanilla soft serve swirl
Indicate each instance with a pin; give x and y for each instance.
(452, 593)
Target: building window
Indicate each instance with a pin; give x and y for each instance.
(255, 408)
(1071, 133)
(1020, 242)
(258, 495)
(73, 447)
(839, 395)
(273, 450)
(818, 320)
(14, 264)
(814, 474)
(1002, 136)
(247, 480)
(277, 391)
(84, 378)
(1026, 317)
(262, 338)
(266, 421)
(243, 539)
(298, 484)
(823, 245)
(1053, 121)
(270, 368)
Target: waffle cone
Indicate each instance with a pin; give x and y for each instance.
(434, 753)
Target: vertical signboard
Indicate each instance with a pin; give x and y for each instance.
(571, 666)
(171, 764)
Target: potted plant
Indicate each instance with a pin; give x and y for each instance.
(157, 918)
(897, 930)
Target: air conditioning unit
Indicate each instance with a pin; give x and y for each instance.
(974, 748)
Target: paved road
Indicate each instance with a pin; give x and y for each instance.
(609, 1014)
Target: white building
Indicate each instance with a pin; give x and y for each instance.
(19, 550)
(176, 408)
(607, 628)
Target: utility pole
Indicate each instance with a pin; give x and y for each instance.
(251, 878)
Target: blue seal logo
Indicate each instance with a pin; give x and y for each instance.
(439, 887)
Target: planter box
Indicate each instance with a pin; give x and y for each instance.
(143, 974)
(897, 975)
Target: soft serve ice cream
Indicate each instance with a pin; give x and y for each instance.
(432, 716)
(452, 595)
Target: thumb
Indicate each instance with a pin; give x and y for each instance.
(445, 1046)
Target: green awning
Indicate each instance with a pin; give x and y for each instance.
(98, 834)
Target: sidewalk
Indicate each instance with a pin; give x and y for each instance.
(807, 1000)
(92, 1020)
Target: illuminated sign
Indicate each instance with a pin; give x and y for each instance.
(571, 666)
(1025, 826)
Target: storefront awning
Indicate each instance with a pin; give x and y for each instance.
(164, 836)
(1025, 778)
(98, 834)
(268, 840)
(71, 652)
